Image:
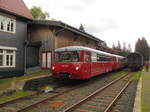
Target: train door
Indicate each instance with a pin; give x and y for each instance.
(113, 62)
(46, 60)
(94, 64)
(87, 64)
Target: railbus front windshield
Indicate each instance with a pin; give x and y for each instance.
(67, 56)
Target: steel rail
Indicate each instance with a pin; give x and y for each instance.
(41, 101)
(17, 99)
(51, 97)
(117, 97)
(69, 109)
(24, 97)
(46, 99)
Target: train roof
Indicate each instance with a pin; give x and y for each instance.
(80, 48)
(133, 54)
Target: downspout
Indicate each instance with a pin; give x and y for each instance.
(25, 51)
(25, 57)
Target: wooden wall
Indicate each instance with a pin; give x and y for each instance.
(62, 39)
(67, 38)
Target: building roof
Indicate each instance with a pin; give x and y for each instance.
(65, 26)
(16, 7)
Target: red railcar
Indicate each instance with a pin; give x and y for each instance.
(77, 62)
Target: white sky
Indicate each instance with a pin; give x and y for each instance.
(109, 20)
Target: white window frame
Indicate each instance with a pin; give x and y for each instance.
(94, 57)
(5, 54)
(1, 54)
(5, 21)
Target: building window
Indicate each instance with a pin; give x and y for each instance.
(7, 58)
(12, 26)
(2, 26)
(7, 24)
(1, 60)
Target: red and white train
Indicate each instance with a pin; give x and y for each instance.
(77, 62)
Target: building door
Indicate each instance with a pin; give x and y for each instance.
(46, 60)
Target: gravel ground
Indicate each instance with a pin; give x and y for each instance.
(126, 102)
(62, 102)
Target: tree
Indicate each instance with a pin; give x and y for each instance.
(119, 46)
(143, 48)
(129, 48)
(123, 51)
(81, 28)
(113, 46)
(124, 46)
(37, 13)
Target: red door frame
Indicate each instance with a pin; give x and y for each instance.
(46, 59)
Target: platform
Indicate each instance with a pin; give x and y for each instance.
(142, 100)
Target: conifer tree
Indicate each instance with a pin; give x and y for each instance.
(143, 48)
(81, 28)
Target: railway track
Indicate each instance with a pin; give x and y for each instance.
(23, 102)
(23, 106)
(17, 99)
(27, 102)
(103, 99)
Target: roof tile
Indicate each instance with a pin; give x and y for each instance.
(17, 7)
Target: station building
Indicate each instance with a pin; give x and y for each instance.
(26, 43)
(14, 17)
(45, 36)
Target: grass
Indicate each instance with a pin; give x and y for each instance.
(119, 74)
(144, 107)
(145, 101)
(33, 75)
(15, 95)
(6, 83)
(137, 76)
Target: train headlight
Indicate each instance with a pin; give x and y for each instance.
(77, 68)
(53, 68)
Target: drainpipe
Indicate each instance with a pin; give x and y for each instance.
(25, 50)
(25, 56)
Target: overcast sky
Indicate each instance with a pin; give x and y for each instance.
(109, 20)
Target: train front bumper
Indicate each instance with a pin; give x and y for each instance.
(65, 75)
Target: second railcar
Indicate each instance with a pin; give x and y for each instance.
(134, 61)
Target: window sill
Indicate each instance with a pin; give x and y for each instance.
(7, 66)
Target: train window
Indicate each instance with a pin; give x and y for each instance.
(98, 57)
(117, 60)
(94, 57)
(87, 57)
(67, 56)
(103, 58)
(121, 59)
